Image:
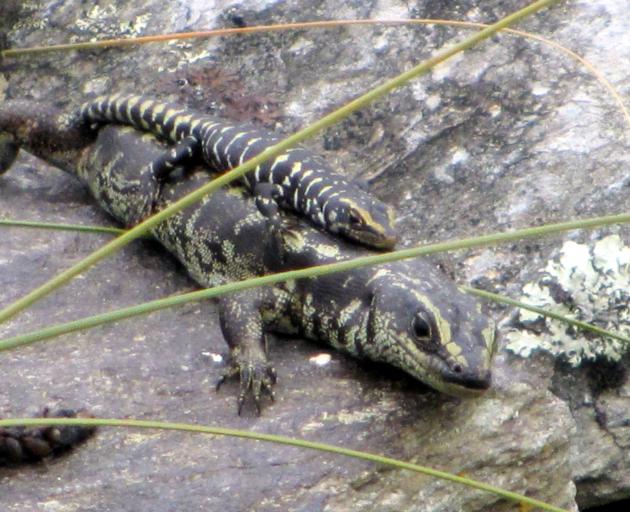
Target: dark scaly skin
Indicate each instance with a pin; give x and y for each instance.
(42, 131)
(20, 445)
(407, 313)
(297, 179)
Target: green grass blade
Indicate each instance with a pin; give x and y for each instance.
(375, 259)
(61, 227)
(549, 314)
(325, 122)
(474, 291)
(278, 439)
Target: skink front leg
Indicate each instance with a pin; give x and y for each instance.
(179, 155)
(242, 325)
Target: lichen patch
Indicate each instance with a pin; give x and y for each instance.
(587, 282)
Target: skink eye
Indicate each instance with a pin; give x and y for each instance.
(420, 327)
(355, 219)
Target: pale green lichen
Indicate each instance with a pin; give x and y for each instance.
(590, 283)
(29, 18)
(94, 17)
(105, 21)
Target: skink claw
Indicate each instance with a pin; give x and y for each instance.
(255, 379)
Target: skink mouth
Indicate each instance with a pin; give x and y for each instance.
(452, 380)
(475, 382)
(376, 241)
(386, 243)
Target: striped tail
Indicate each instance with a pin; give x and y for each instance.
(168, 121)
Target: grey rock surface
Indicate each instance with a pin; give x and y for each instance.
(511, 134)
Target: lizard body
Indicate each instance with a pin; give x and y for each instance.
(407, 313)
(296, 179)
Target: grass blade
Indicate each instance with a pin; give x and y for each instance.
(273, 438)
(466, 243)
(544, 312)
(61, 227)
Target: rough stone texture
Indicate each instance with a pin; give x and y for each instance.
(511, 134)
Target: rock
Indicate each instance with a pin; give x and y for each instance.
(511, 134)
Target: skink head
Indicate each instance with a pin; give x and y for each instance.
(421, 323)
(363, 219)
